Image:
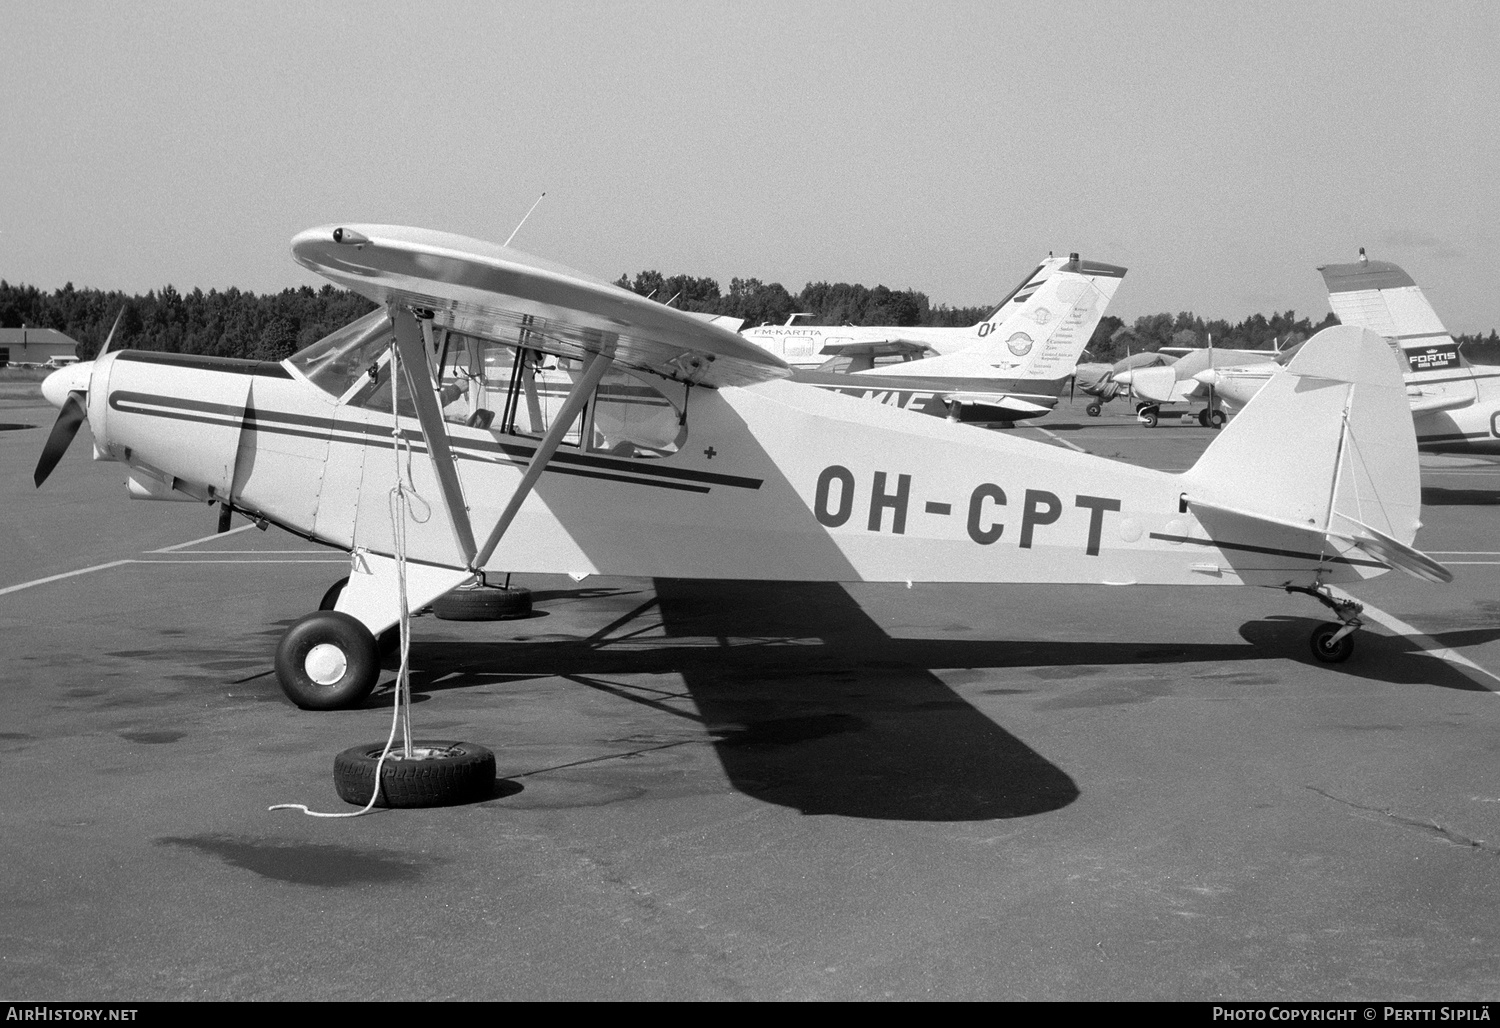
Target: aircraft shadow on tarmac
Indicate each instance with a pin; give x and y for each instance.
(812, 706)
(1436, 496)
(854, 725)
(1377, 657)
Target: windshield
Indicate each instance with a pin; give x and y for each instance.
(337, 360)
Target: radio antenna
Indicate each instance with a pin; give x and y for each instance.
(523, 220)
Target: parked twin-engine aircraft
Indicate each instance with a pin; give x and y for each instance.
(1019, 366)
(683, 450)
(811, 346)
(1193, 377)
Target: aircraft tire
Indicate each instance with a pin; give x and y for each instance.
(1203, 417)
(443, 774)
(1216, 418)
(482, 603)
(327, 660)
(1093, 410)
(1148, 417)
(1327, 652)
(331, 597)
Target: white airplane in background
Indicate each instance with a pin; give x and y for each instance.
(683, 450)
(1016, 370)
(1192, 378)
(1454, 404)
(811, 346)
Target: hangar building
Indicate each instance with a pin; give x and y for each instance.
(34, 345)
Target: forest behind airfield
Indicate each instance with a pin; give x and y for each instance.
(273, 326)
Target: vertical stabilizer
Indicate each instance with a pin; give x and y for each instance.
(1382, 297)
(1327, 443)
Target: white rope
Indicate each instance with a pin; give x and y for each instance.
(399, 505)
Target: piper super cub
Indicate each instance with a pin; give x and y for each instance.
(682, 450)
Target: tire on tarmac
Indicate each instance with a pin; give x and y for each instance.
(446, 773)
(1094, 410)
(327, 660)
(1336, 653)
(331, 597)
(482, 603)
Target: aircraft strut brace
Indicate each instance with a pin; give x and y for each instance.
(412, 345)
(595, 365)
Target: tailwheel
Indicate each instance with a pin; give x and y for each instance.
(1332, 643)
(327, 660)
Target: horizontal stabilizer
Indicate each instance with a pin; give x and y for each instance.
(1397, 554)
(1000, 401)
(1440, 401)
(1261, 538)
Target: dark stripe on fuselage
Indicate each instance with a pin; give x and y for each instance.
(1272, 551)
(310, 427)
(226, 365)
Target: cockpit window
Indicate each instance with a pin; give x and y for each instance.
(335, 362)
(497, 387)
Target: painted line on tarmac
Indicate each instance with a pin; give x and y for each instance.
(277, 560)
(66, 574)
(181, 560)
(1427, 642)
(205, 539)
(1060, 440)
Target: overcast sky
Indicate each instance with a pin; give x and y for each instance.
(1221, 152)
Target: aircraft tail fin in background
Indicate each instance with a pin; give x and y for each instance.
(1021, 293)
(1382, 297)
(1044, 337)
(1324, 455)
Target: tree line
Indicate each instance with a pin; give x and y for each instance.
(273, 326)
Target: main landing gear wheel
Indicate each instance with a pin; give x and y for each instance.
(1148, 416)
(327, 660)
(439, 774)
(1093, 410)
(482, 603)
(1325, 649)
(1203, 417)
(331, 597)
(1216, 418)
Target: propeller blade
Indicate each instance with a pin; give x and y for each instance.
(111, 337)
(63, 430)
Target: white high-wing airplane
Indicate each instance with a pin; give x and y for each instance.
(683, 450)
(1455, 404)
(1016, 370)
(811, 346)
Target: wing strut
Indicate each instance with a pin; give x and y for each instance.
(414, 362)
(596, 364)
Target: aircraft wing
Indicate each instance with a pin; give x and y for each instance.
(892, 347)
(494, 292)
